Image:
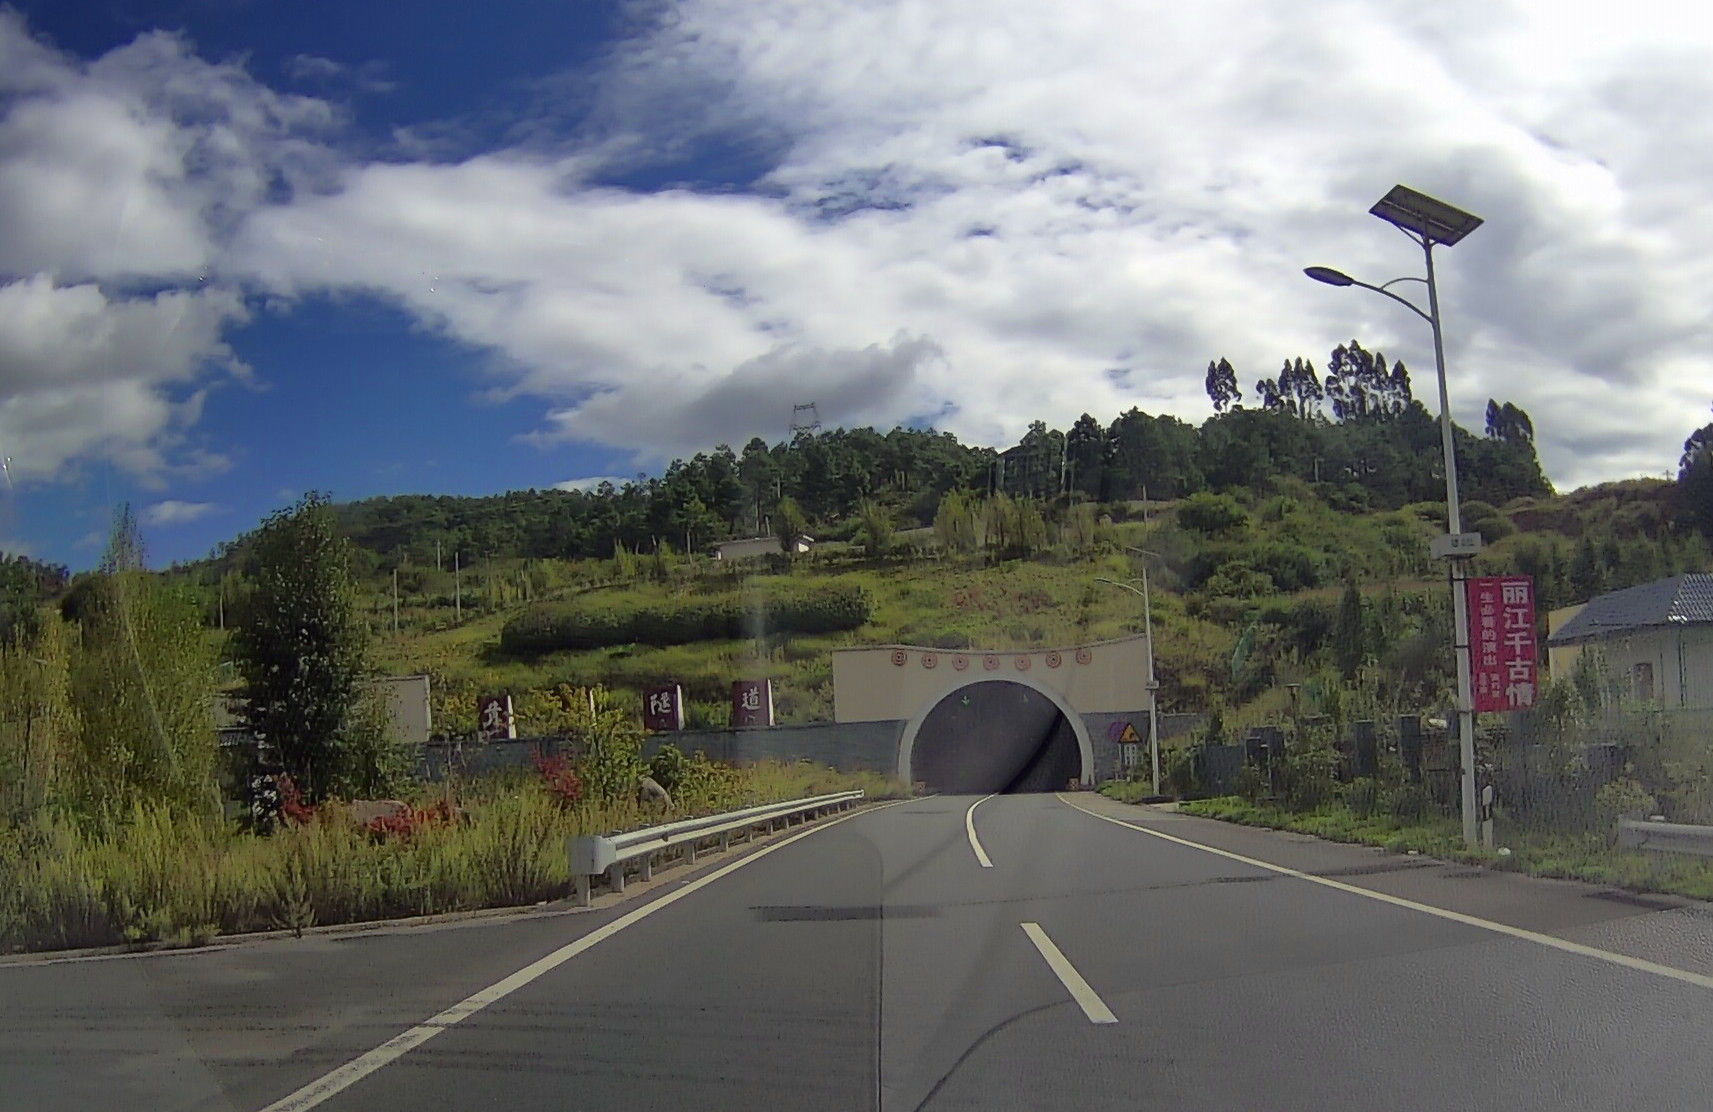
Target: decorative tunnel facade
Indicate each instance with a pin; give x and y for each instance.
(992, 721)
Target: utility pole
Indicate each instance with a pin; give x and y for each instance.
(457, 590)
(437, 567)
(395, 602)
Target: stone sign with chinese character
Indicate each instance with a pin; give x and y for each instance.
(494, 721)
(663, 708)
(752, 703)
(1502, 642)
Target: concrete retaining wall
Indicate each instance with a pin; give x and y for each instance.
(852, 746)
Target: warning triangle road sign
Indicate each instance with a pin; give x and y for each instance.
(1129, 734)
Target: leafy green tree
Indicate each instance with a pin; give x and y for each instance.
(1085, 456)
(876, 529)
(788, 524)
(956, 524)
(303, 651)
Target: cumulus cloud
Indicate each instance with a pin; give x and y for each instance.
(119, 180)
(970, 213)
(174, 512)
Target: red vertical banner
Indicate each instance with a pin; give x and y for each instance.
(1502, 652)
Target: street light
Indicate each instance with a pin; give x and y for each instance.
(1153, 683)
(1428, 221)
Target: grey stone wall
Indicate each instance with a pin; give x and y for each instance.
(852, 746)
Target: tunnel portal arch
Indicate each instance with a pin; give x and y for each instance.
(907, 742)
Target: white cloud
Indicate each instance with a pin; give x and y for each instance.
(174, 512)
(591, 482)
(86, 375)
(971, 213)
(118, 181)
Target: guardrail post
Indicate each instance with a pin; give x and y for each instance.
(690, 852)
(648, 866)
(616, 876)
(726, 840)
(581, 880)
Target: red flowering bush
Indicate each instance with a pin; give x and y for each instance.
(407, 821)
(291, 804)
(560, 779)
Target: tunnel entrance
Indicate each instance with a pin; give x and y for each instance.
(995, 736)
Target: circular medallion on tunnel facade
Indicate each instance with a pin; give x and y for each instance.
(1054, 660)
(1022, 664)
(960, 662)
(929, 660)
(990, 663)
(1084, 656)
(899, 656)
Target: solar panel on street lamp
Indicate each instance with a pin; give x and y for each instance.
(1426, 216)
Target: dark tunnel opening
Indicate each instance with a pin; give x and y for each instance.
(995, 736)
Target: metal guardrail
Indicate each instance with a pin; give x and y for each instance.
(1665, 837)
(596, 855)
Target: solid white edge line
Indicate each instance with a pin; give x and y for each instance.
(1640, 965)
(1091, 1003)
(399, 1045)
(969, 828)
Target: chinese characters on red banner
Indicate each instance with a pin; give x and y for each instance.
(663, 708)
(752, 703)
(1502, 642)
(494, 721)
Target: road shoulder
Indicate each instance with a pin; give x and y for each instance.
(1671, 930)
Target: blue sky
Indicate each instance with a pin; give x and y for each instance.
(251, 249)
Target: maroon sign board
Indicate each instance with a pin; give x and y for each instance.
(663, 708)
(1502, 654)
(494, 721)
(752, 703)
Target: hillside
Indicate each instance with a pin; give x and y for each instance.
(1291, 541)
(1247, 597)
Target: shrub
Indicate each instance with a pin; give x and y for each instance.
(1621, 799)
(559, 779)
(668, 767)
(1212, 514)
(575, 625)
(1179, 771)
(1309, 779)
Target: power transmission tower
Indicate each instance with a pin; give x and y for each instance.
(805, 418)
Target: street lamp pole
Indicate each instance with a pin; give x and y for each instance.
(1153, 681)
(1459, 573)
(1428, 221)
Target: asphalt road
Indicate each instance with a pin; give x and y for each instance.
(877, 962)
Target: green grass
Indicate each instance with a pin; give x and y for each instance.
(1127, 791)
(1537, 853)
(1016, 604)
(163, 878)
